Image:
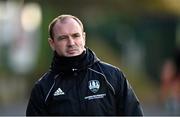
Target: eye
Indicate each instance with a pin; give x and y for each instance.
(76, 35)
(62, 37)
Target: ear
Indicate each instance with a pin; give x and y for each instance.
(51, 43)
(84, 36)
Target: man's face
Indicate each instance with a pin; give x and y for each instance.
(68, 38)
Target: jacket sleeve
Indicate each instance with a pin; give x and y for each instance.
(36, 105)
(127, 102)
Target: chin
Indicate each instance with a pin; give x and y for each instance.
(72, 55)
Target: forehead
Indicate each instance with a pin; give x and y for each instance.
(68, 25)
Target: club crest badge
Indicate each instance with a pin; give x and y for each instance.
(94, 85)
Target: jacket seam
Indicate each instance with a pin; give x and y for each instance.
(43, 76)
(51, 88)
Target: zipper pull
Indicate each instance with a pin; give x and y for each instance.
(74, 69)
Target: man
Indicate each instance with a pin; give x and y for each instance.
(170, 83)
(78, 83)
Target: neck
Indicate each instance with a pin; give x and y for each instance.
(73, 58)
(61, 63)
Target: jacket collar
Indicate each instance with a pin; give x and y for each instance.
(69, 64)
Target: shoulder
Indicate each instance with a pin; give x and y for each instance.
(111, 69)
(44, 82)
(113, 74)
(44, 78)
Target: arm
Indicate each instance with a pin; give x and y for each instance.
(127, 102)
(36, 105)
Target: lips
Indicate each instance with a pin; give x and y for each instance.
(71, 51)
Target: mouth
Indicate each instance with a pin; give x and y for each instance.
(71, 51)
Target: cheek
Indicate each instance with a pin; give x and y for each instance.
(60, 46)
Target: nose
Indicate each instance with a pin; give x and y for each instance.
(70, 41)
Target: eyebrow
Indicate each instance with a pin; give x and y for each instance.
(67, 35)
(61, 36)
(64, 35)
(76, 34)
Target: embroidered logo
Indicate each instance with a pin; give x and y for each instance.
(94, 85)
(58, 92)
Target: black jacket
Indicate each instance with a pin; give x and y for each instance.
(83, 85)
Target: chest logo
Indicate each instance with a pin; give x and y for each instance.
(58, 92)
(94, 85)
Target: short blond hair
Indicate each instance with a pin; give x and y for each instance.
(61, 18)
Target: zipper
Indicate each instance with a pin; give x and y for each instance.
(79, 95)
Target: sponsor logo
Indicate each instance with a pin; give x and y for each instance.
(58, 92)
(92, 97)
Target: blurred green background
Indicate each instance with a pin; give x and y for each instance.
(135, 35)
